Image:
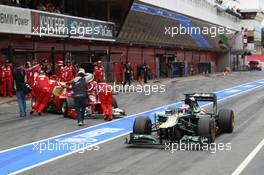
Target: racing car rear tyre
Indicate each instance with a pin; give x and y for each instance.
(206, 128)
(114, 103)
(226, 120)
(142, 125)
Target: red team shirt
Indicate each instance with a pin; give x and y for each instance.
(6, 72)
(98, 73)
(68, 75)
(61, 73)
(42, 82)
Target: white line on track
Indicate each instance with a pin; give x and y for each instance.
(70, 153)
(110, 139)
(243, 165)
(257, 81)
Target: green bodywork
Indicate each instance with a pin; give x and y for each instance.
(176, 119)
(153, 139)
(144, 139)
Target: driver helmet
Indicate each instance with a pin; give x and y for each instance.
(168, 111)
(190, 101)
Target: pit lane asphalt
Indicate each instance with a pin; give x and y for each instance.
(116, 158)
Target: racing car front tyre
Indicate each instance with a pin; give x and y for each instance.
(177, 135)
(226, 120)
(142, 125)
(206, 128)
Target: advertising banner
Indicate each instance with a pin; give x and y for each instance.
(14, 20)
(90, 29)
(47, 24)
(32, 22)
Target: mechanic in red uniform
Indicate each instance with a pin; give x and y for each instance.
(43, 96)
(69, 71)
(34, 73)
(105, 96)
(7, 79)
(92, 91)
(115, 70)
(99, 72)
(60, 71)
(1, 79)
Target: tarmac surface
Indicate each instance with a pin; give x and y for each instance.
(117, 158)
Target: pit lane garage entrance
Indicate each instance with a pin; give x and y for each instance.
(84, 58)
(169, 66)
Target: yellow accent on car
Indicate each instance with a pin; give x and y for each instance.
(170, 121)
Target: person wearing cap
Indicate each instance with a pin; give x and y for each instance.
(35, 70)
(1, 78)
(69, 71)
(43, 93)
(60, 71)
(79, 94)
(106, 96)
(7, 79)
(145, 72)
(32, 73)
(128, 73)
(92, 89)
(99, 72)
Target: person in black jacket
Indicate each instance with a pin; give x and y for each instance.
(145, 72)
(128, 73)
(80, 95)
(20, 81)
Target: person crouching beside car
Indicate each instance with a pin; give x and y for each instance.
(106, 96)
(43, 94)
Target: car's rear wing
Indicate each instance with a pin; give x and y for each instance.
(204, 97)
(210, 97)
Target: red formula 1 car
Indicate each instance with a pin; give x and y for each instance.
(61, 100)
(255, 65)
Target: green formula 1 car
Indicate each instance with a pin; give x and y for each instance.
(188, 123)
